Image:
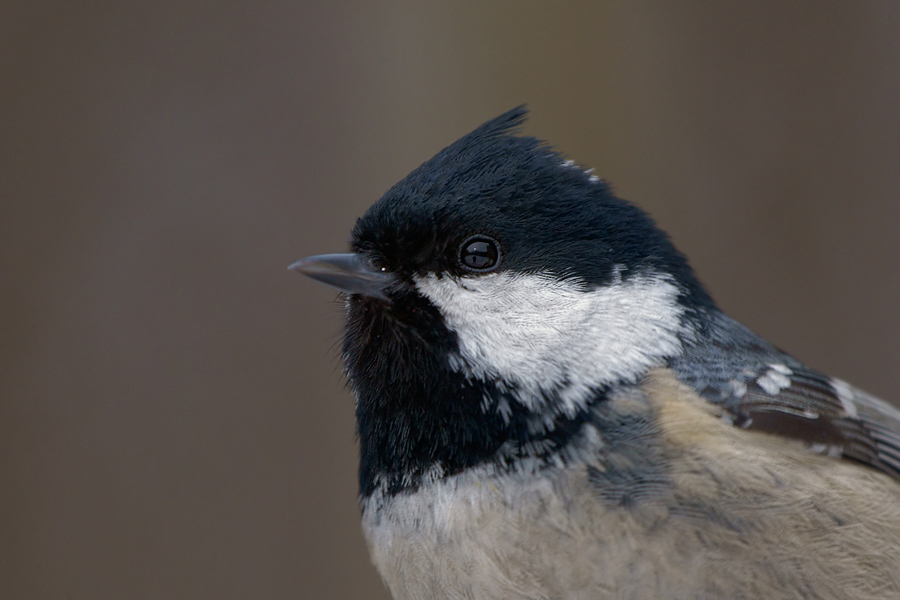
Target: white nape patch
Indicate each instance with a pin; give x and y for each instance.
(538, 334)
(845, 394)
(775, 379)
(570, 164)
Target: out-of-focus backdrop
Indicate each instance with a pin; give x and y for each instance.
(172, 417)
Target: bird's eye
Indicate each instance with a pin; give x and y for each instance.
(375, 263)
(479, 253)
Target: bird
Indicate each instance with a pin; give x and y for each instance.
(550, 405)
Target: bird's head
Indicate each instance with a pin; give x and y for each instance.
(496, 291)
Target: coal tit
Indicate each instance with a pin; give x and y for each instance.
(550, 405)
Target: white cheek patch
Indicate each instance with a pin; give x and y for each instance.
(540, 334)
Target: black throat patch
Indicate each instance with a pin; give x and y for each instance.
(418, 418)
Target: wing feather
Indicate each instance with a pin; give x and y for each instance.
(764, 389)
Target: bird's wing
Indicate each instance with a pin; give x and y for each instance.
(763, 389)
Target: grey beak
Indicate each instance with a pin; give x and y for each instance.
(349, 273)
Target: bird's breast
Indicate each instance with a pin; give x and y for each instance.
(713, 512)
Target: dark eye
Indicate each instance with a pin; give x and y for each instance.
(479, 253)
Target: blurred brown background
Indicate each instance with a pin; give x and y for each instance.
(172, 418)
